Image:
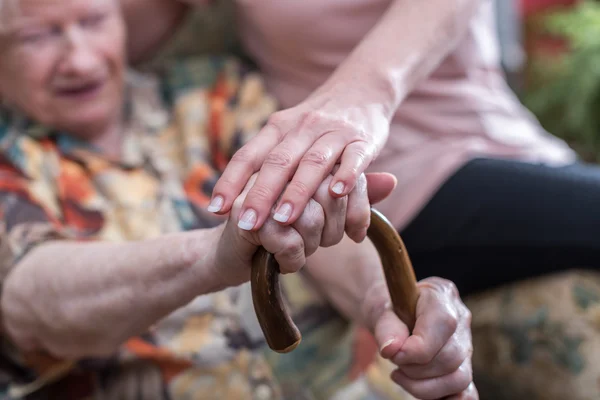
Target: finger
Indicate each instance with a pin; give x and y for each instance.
(335, 211)
(453, 354)
(380, 185)
(437, 388)
(437, 321)
(358, 214)
(314, 167)
(389, 331)
(245, 162)
(275, 173)
(285, 243)
(355, 159)
(241, 240)
(390, 334)
(236, 206)
(469, 394)
(310, 226)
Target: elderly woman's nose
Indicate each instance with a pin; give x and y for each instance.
(79, 56)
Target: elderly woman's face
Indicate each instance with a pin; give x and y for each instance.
(62, 62)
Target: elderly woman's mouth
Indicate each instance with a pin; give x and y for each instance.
(80, 91)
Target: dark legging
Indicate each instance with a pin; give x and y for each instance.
(498, 221)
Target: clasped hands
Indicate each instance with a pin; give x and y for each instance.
(432, 363)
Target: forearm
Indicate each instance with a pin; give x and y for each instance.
(405, 46)
(103, 293)
(349, 274)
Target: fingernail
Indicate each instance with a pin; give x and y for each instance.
(248, 220)
(284, 213)
(216, 204)
(338, 188)
(386, 344)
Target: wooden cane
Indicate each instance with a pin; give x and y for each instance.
(282, 334)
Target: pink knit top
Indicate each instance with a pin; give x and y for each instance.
(463, 110)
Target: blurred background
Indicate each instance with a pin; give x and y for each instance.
(551, 54)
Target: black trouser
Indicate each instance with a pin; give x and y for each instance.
(498, 221)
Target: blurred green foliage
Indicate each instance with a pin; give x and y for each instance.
(564, 90)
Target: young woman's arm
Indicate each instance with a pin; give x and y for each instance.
(346, 120)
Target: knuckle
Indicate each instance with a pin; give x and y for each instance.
(293, 253)
(260, 193)
(294, 248)
(276, 119)
(362, 154)
(244, 155)
(444, 287)
(450, 288)
(467, 315)
(280, 159)
(299, 190)
(471, 392)
(316, 158)
(313, 217)
(463, 378)
(312, 223)
(449, 320)
(313, 118)
(333, 234)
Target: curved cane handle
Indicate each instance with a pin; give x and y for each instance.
(281, 333)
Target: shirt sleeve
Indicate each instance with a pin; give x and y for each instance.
(24, 224)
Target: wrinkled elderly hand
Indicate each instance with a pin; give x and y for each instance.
(320, 224)
(435, 361)
(296, 150)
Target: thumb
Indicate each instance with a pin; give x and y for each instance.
(390, 334)
(380, 185)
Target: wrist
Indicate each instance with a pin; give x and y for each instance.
(204, 257)
(369, 86)
(230, 258)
